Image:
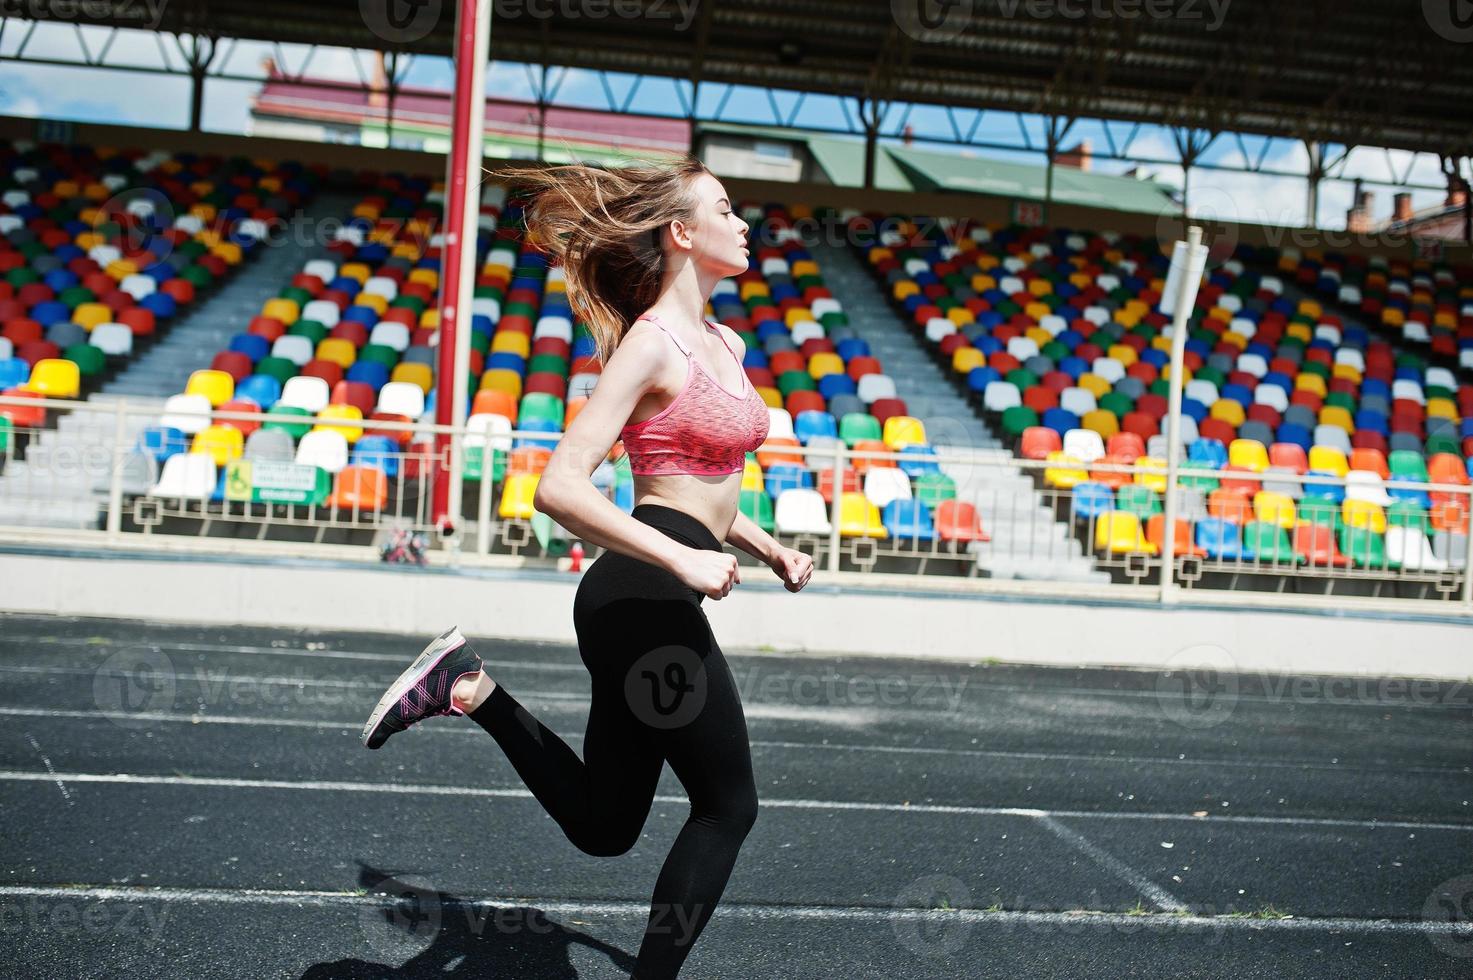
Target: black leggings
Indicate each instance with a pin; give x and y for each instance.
(661, 691)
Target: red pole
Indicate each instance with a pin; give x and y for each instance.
(457, 267)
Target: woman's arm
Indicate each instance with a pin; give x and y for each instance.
(565, 491)
(748, 536)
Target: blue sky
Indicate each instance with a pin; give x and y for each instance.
(153, 100)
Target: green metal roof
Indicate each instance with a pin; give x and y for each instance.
(906, 168)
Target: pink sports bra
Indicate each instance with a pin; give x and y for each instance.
(705, 430)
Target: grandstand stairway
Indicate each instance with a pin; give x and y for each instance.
(63, 480)
(1027, 541)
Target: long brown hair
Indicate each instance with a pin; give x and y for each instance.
(605, 226)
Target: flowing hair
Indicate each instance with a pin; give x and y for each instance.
(606, 226)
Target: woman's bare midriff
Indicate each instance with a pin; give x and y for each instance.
(712, 500)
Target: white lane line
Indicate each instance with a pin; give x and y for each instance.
(1164, 900)
(432, 789)
(51, 769)
(294, 652)
(766, 661)
(323, 898)
(759, 712)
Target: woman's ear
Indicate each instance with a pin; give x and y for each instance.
(680, 233)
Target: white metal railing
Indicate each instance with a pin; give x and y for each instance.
(77, 476)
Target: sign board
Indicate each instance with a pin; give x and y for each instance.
(1428, 248)
(262, 481)
(1029, 214)
(55, 131)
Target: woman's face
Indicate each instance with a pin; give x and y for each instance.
(718, 236)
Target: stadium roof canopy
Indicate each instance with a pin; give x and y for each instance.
(1353, 72)
(908, 168)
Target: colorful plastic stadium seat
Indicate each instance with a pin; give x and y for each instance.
(190, 476)
(801, 511)
(324, 449)
(222, 443)
(1328, 459)
(1120, 532)
(1065, 471)
(516, 496)
(55, 378)
(1156, 534)
(859, 517)
(1220, 539)
(903, 430)
(1038, 442)
(1363, 546)
(1409, 548)
(360, 488)
(217, 387)
(957, 520)
(344, 413)
(1266, 542)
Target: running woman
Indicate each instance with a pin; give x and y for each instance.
(642, 248)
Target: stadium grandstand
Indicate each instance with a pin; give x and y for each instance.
(247, 371)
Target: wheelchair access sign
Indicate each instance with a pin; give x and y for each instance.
(262, 481)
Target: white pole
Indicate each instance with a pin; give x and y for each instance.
(1187, 263)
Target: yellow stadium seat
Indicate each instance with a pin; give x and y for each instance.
(904, 430)
(285, 310)
(1311, 382)
(1346, 372)
(1442, 408)
(505, 379)
(1337, 416)
(372, 301)
(771, 397)
(55, 377)
(512, 342)
(961, 316)
(823, 363)
(355, 270)
(1300, 331)
(750, 289)
(1037, 311)
(1274, 508)
(347, 413)
(1363, 513)
(752, 478)
(222, 443)
(516, 496)
(1061, 474)
(796, 314)
(1119, 532)
(1094, 384)
(1236, 339)
(217, 386)
(204, 212)
(1124, 353)
(416, 374)
(1101, 420)
(1329, 460)
(1156, 481)
(121, 269)
(803, 267)
(964, 359)
(228, 252)
(66, 188)
(1227, 410)
(405, 250)
(901, 290)
(1040, 287)
(1249, 453)
(429, 277)
(339, 350)
(859, 517)
(89, 315)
